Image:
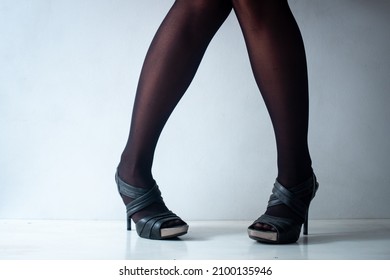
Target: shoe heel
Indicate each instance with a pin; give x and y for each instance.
(128, 223)
(306, 224)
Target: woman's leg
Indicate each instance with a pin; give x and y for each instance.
(169, 67)
(277, 56)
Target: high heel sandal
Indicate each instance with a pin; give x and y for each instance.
(286, 230)
(149, 227)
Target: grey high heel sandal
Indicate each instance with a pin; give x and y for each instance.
(287, 230)
(149, 227)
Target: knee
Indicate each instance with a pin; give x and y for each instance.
(257, 3)
(206, 6)
(260, 8)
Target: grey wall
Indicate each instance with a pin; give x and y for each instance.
(68, 73)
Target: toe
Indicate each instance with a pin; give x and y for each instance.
(264, 227)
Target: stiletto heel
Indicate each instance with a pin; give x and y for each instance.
(287, 230)
(128, 222)
(149, 227)
(306, 224)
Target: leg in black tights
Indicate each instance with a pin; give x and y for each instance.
(277, 56)
(169, 67)
(278, 60)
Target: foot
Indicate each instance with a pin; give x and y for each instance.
(154, 208)
(283, 211)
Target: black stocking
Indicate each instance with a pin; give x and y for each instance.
(169, 67)
(277, 56)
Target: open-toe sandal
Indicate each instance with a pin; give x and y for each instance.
(150, 227)
(286, 230)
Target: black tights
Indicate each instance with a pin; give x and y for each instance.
(277, 57)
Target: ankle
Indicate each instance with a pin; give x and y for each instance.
(294, 170)
(294, 178)
(135, 176)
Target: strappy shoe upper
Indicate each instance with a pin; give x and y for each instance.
(293, 197)
(150, 226)
(287, 229)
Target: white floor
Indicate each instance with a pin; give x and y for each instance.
(213, 240)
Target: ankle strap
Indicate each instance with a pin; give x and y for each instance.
(142, 197)
(292, 196)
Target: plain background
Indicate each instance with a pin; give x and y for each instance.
(68, 74)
